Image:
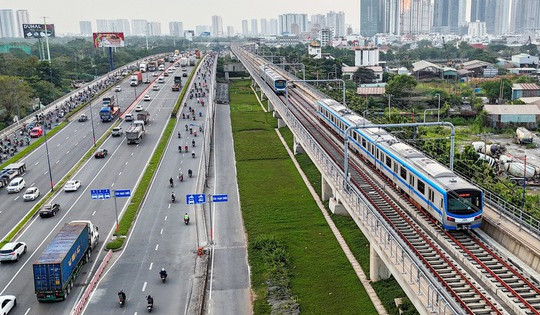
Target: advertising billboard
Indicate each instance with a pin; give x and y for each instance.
(108, 39)
(37, 30)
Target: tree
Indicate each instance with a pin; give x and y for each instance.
(401, 85)
(492, 89)
(364, 75)
(15, 97)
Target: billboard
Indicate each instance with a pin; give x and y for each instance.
(37, 30)
(108, 39)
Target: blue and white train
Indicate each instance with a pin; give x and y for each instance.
(273, 79)
(454, 202)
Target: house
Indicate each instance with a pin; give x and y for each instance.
(500, 116)
(520, 90)
(425, 69)
(476, 67)
(314, 50)
(367, 90)
(525, 60)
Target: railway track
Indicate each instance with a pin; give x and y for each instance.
(510, 291)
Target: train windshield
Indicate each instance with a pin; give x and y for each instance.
(280, 84)
(463, 202)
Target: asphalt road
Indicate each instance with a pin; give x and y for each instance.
(121, 169)
(159, 238)
(66, 148)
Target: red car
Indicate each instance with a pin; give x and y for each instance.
(36, 132)
(101, 154)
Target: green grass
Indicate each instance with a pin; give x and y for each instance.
(388, 289)
(277, 204)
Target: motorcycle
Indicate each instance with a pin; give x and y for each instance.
(173, 198)
(193, 143)
(190, 173)
(163, 276)
(121, 299)
(150, 305)
(193, 154)
(186, 221)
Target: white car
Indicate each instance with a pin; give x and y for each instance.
(170, 71)
(72, 185)
(155, 74)
(155, 87)
(118, 88)
(146, 98)
(12, 251)
(129, 117)
(31, 194)
(16, 185)
(7, 303)
(139, 108)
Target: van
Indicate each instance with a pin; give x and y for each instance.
(16, 185)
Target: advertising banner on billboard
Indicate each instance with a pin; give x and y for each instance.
(37, 30)
(108, 39)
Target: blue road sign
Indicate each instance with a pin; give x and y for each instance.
(100, 194)
(220, 198)
(195, 199)
(122, 193)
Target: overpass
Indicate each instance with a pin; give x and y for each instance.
(441, 272)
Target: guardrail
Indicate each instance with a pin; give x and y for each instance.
(82, 302)
(413, 273)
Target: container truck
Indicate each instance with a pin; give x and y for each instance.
(136, 78)
(58, 266)
(135, 132)
(143, 116)
(109, 110)
(152, 66)
(177, 83)
(192, 60)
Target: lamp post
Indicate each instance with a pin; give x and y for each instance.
(92, 122)
(438, 108)
(135, 90)
(389, 96)
(48, 159)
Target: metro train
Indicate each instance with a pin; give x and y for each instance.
(273, 79)
(455, 203)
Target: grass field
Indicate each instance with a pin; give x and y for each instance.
(277, 205)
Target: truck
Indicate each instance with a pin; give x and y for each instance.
(143, 116)
(192, 60)
(136, 78)
(135, 132)
(109, 110)
(523, 135)
(177, 83)
(58, 266)
(142, 67)
(160, 62)
(183, 62)
(152, 66)
(198, 54)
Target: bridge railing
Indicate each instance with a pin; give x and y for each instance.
(413, 273)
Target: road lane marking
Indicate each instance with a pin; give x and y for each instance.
(32, 184)
(17, 197)
(144, 286)
(165, 218)
(126, 163)
(93, 212)
(27, 311)
(169, 206)
(57, 161)
(0, 211)
(45, 173)
(131, 153)
(151, 264)
(76, 144)
(119, 173)
(157, 246)
(161, 232)
(67, 138)
(67, 152)
(58, 145)
(112, 184)
(36, 163)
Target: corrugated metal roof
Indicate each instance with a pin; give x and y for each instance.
(475, 64)
(525, 86)
(422, 64)
(512, 109)
(371, 90)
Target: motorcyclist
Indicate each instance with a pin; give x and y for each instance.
(181, 176)
(193, 143)
(173, 197)
(186, 217)
(193, 154)
(163, 273)
(150, 300)
(121, 296)
(190, 173)
(171, 181)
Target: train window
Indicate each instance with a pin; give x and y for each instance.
(403, 172)
(395, 168)
(388, 161)
(411, 180)
(431, 195)
(364, 142)
(421, 186)
(440, 204)
(371, 146)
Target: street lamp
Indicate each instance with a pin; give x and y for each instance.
(135, 90)
(438, 107)
(389, 96)
(92, 122)
(48, 159)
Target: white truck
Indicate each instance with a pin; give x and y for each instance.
(142, 67)
(135, 132)
(183, 62)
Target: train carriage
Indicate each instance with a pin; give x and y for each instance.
(274, 80)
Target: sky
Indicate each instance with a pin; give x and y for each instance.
(67, 14)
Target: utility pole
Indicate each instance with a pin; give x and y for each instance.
(47, 39)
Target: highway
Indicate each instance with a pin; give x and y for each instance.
(159, 239)
(66, 148)
(121, 169)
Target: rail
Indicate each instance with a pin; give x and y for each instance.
(381, 234)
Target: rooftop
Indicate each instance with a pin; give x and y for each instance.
(512, 109)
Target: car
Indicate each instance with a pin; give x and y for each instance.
(12, 251)
(83, 118)
(161, 79)
(146, 98)
(129, 117)
(72, 185)
(155, 88)
(165, 74)
(31, 194)
(36, 132)
(184, 69)
(7, 303)
(117, 132)
(16, 185)
(118, 88)
(49, 210)
(125, 72)
(100, 154)
(147, 81)
(170, 71)
(184, 74)
(155, 74)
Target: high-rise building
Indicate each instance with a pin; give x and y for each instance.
(502, 17)
(199, 29)
(478, 10)
(415, 17)
(463, 19)
(273, 30)
(245, 30)
(371, 17)
(336, 21)
(490, 16)
(102, 25)
(326, 35)
(139, 27)
(7, 23)
(318, 19)
(86, 27)
(23, 17)
(120, 25)
(287, 20)
(254, 27)
(154, 28)
(217, 26)
(477, 29)
(525, 16)
(176, 29)
(124, 26)
(230, 31)
(264, 27)
(445, 16)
